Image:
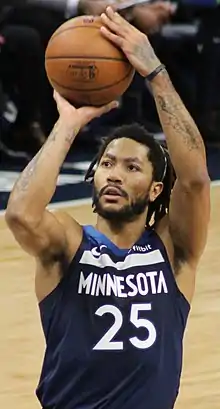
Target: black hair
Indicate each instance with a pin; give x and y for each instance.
(158, 156)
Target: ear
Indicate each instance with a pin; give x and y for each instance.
(155, 190)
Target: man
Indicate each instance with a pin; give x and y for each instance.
(114, 298)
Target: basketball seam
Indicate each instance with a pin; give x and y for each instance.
(72, 28)
(93, 89)
(79, 57)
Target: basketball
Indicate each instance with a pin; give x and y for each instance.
(83, 66)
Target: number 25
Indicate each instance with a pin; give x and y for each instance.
(106, 342)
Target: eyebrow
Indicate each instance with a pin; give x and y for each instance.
(128, 159)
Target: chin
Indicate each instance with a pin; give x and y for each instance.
(115, 212)
(116, 203)
(112, 208)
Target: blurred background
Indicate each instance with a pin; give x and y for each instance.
(186, 37)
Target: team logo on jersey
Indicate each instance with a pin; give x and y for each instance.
(103, 260)
(96, 251)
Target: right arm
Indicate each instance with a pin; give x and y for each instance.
(37, 230)
(51, 239)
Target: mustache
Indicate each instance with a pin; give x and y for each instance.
(122, 192)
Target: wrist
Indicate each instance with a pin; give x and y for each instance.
(155, 72)
(153, 63)
(160, 79)
(68, 125)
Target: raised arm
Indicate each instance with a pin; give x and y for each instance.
(190, 201)
(38, 231)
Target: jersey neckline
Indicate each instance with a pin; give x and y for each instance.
(103, 239)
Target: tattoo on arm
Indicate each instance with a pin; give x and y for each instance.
(24, 180)
(177, 117)
(28, 173)
(69, 138)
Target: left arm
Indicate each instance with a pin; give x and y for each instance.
(190, 201)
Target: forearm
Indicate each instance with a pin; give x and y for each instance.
(183, 138)
(37, 183)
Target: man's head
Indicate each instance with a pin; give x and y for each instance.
(131, 175)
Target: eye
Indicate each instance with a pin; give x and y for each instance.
(133, 168)
(106, 164)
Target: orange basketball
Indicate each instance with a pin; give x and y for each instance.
(83, 66)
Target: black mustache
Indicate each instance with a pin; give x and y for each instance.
(122, 192)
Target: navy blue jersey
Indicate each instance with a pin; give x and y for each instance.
(113, 327)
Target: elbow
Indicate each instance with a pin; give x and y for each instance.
(198, 181)
(15, 218)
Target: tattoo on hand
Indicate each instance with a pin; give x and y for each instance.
(145, 53)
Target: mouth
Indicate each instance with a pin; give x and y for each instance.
(112, 192)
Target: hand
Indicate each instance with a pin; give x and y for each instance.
(81, 116)
(149, 18)
(132, 42)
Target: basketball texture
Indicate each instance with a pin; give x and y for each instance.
(83, 66)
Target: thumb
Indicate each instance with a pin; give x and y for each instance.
(89, 113)
(58, 98)
(106, 108)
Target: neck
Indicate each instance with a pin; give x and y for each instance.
(123, 235)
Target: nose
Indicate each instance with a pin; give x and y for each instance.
(114, 179)
(114, 176)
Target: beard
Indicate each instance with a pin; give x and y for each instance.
(126, 213)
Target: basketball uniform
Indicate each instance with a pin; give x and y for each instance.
(113, 327)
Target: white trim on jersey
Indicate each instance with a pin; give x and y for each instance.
(131, 260)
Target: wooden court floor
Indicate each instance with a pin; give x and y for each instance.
(22, 344)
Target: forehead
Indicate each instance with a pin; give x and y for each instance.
(127, 148)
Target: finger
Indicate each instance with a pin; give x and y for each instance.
(114, 6)
(112, 37)
(55, 94)
(113, 26)
(89, 113)
(107, 108)
(119, 22)
(114, 16)
(110, 12)
(57, 97)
